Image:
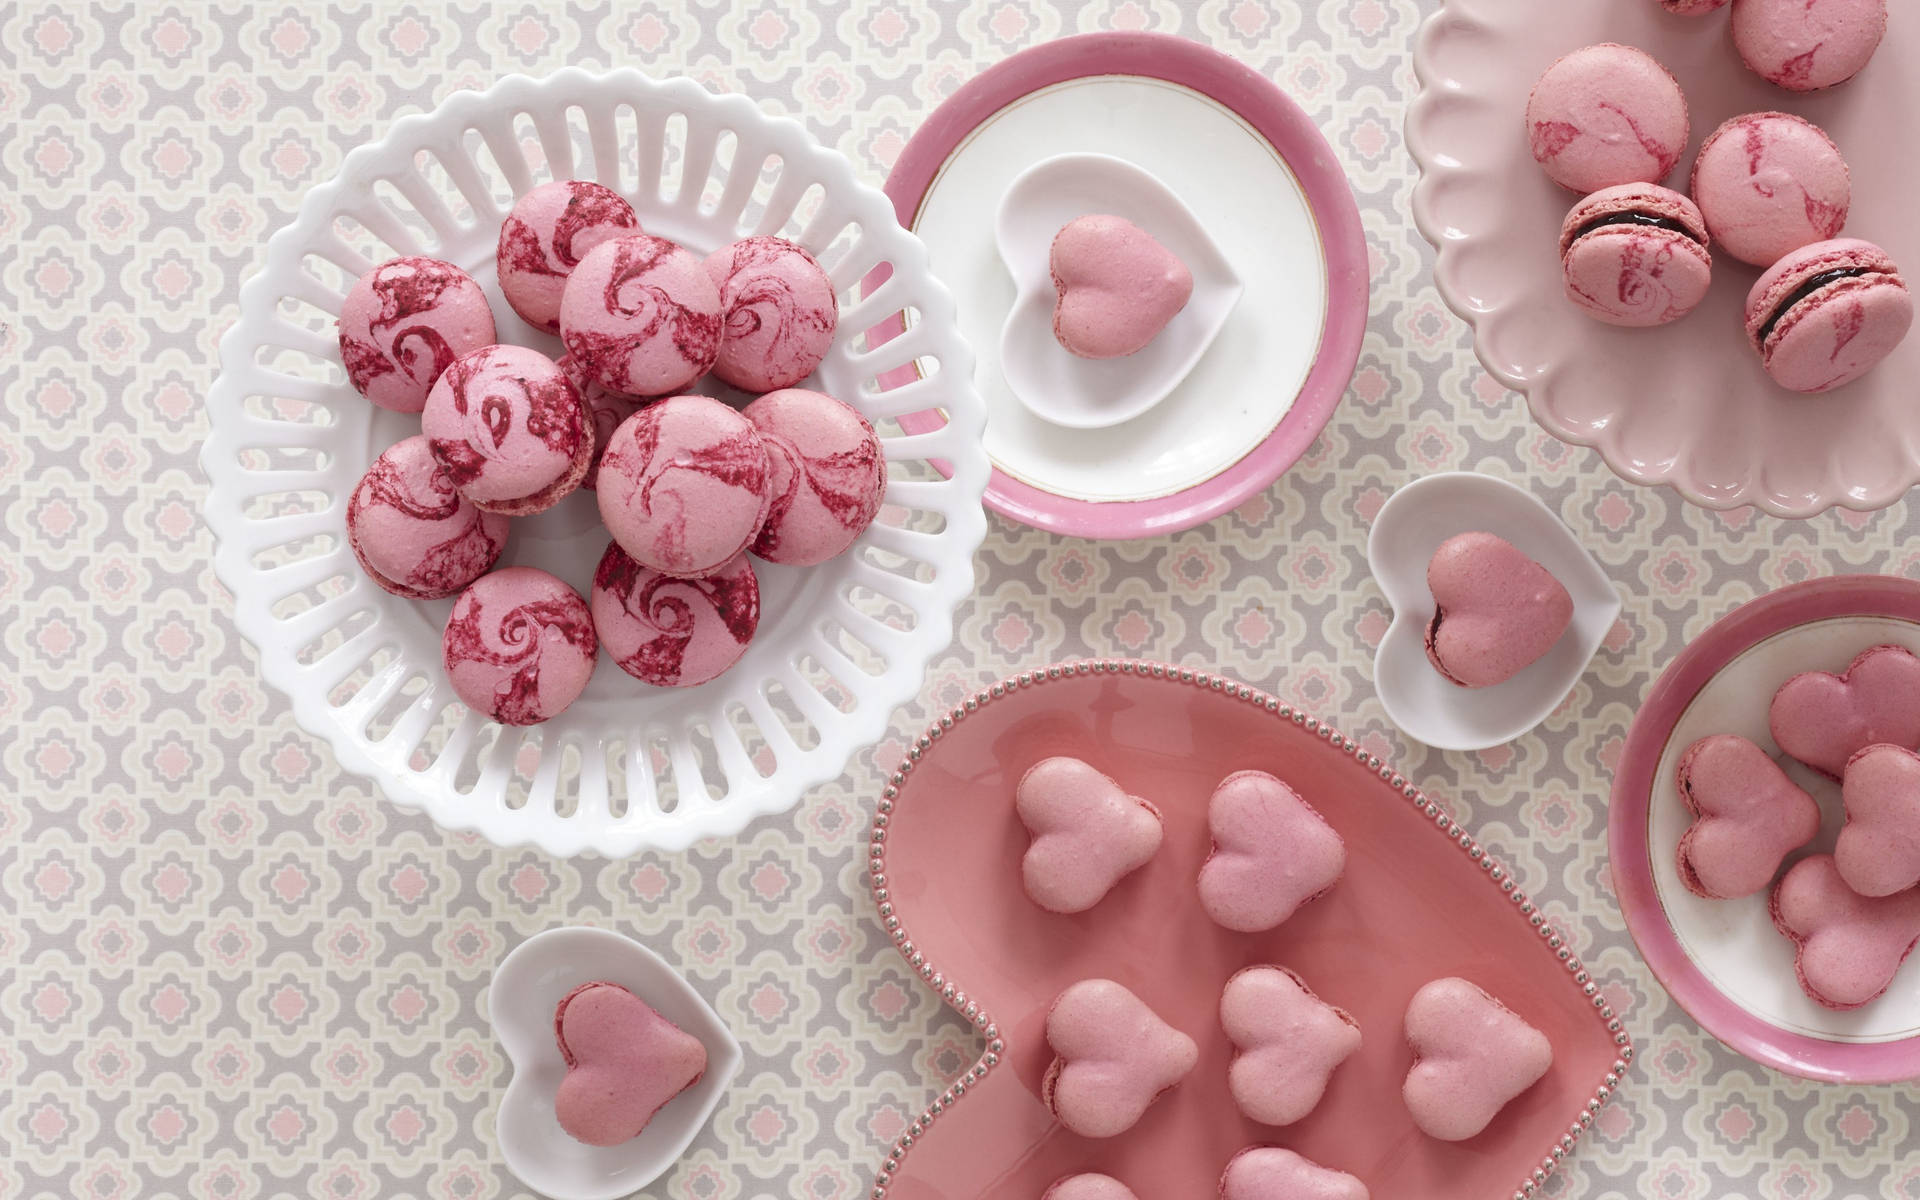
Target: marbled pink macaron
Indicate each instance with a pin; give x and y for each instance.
(1828, 313)
(1806, 45)
(413, 533)
(1276, 1173)
(673, 632)
(1636, 255)
(509, 429)
(519, 646)
(1115, 286)
(642, 315)
(1472, 1055)
(777, 313)
(404, 322)
(1693, 8)
(544, 237)
(829, 475)
(1770, 183)
(1496, 611)
(606, 408)
(1088, 833)
(1607, 115)
(1847, 947)
(684, 485)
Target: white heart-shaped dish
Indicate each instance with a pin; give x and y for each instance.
(527, 986)
(1084, 393)
(1412, 524)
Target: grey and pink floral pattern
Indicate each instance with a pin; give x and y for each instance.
(229, 971)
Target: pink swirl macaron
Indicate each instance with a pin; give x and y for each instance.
(509, 429)
(544, 237)
(1606, 115)
(1769, 183)
(673, 632)
(404, 322)
(413, 533)
(1806, 45)
(1636, 255)
(605, 410)
(642, 315)
(1827, 314)
(684, 485)
(829, 476)
(519, 646)
(777, 313)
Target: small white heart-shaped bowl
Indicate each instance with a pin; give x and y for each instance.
(1086, 393)
(527, 986)
(1411, 525)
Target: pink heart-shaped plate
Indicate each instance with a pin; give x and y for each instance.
(1419, 900)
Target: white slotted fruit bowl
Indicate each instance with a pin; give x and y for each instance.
(628, 767)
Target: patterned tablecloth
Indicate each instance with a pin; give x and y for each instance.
(228, 970)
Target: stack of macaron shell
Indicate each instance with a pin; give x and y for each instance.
(687, 485)
(1767, 188)
(1853, 915)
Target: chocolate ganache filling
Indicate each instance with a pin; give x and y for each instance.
(1813, 284)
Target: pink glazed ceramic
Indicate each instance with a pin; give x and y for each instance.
(1420, 900)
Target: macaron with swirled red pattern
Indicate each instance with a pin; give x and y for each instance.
(519, 646)
(404, 322)
(509, 429)
(544, 237)
(777, 313)
(1827, 314)
(412, 532)
(642, 315)
(1806, 45)
(684, 485)
(829, 475)
(673, 632)
(1636, 255)
(1606, 115)
(1769, 183)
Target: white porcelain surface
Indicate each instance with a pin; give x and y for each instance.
(1411, 525)
(1240, 191)
(1084, 393)
(520, 1001)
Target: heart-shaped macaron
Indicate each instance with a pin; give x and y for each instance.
(1748, 816)
(1878, 853)
(1471, 1056)
(1087, 831)
(624, 1063)
(1847, 947)
(1824, 719)
(1088, 1186)
(1116, 286)
(1286, 1040)
(1272, 852)
(1496, 611)
(1271, 1173)
(1112, 1057)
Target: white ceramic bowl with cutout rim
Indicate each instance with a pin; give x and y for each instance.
(628, 767)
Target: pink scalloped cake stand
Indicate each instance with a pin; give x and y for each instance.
(1420, 900)
(1686, 404)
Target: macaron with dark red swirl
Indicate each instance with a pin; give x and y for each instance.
(1636, 255)
(778, 313)
(1828, 313)
(404, 322)
(829, 475)
(673, 632)
(519, 646)
(684, 485)
(544, 237)
(413, 533)
(642, 315)
(510, 429)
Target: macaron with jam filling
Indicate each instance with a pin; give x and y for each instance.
(1606, 115)
(1693, 8)
(1636, 255)
(1769, 183)
(1806, 45)
(1827, 314)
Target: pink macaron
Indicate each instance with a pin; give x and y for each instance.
(1747, 817)
(1693, 8)
(829, 475)
(1113, 1057)
(642, 315)
(1115, 286)
(777, 313)
(509, 429)
(1607, 115)
(685, 485)
(1088, 833)
(1770, 183)
(1847, 947)
(1827, 314)
(673, 632)
(404, 322)
(1472, 1055)
(519, 646)
(1806, 45)
(544, 237)
(1636, 255)
(1496, 611)
(1824, 719)
(624, 1063)
(606, 408)
(413, 532)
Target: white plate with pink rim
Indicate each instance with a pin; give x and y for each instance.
(526, 989)
(628, 767)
